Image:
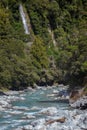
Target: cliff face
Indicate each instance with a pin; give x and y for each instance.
(58, 36)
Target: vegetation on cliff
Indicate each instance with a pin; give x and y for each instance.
(22, 65)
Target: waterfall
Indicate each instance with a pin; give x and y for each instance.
(24, 19)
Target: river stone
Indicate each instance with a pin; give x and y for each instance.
(1, 108)
(35, 108)
(60, 85)
(27, 127)
(40, 127)
(30, 117)
(82, 121)
(38, 124)
(5, 103)
(15, 112)
(49, 111)
(60, 120)
(52, 126)
(55, 91)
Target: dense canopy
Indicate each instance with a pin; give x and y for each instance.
(23, 64)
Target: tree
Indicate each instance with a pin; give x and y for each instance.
(38, 54)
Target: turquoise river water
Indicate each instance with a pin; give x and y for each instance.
(26, 106)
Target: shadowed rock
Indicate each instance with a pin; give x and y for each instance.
(2, 93)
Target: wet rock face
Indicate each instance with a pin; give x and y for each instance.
(74, 96)
(78, 99)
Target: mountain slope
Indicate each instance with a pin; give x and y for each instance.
(21, 64)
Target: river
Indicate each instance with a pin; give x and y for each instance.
(28, 110)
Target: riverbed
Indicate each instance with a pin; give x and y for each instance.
(32, 109)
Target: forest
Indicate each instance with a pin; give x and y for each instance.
(58, 53)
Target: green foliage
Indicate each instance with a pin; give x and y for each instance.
(39, 55)
(5, 27)
(22, 65)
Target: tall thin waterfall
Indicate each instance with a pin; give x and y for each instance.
(24, 19)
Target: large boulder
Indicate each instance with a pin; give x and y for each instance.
(78, 98)
(80, 103)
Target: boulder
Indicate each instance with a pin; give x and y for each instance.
(74, 96)
(80, 103)
(2, 93)
(61, 120)
(78, 99)
(49, 111)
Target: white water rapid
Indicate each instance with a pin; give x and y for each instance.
(24, 20)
